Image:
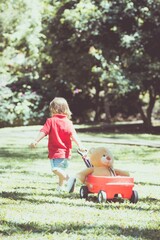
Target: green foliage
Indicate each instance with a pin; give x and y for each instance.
(114, 35)
(92, 52)
(20, 52)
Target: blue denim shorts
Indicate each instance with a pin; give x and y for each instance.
(61, 163)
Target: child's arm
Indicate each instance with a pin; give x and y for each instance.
(76, 139)
(38, 138)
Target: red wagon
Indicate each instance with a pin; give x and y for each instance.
(108, 188)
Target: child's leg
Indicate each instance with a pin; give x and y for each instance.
(83, 174)
(58, 168)
(61, 175)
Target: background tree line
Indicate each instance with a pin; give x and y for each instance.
(103, 56)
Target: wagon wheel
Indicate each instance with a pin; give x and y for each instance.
(84, 192)
(134, 197)
(102, 196)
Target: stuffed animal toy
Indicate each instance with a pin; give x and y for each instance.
(102, 162)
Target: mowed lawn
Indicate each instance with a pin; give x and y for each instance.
(30, 207)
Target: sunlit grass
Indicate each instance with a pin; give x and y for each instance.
(32, 209)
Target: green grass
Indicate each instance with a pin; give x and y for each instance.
(30, 207)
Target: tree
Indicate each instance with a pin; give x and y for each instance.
(123, 36)
(66, 66)
(140, 56)
(20, 42)
(91, 52)
(79, 57)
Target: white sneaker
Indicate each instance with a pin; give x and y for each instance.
(70, 184)
(61, 189)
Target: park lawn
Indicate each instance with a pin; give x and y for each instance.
(30, 207)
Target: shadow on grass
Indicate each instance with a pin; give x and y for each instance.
(9, 153)
(47, 198)
(22, 153)
(120, 128)
(15, 195)
(151, 200)
(147, 183)
(13, 168)
(82, 229)
(26, 197)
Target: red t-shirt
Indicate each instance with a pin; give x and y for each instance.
(59, 130)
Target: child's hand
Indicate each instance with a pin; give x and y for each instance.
(82, 148)
(82, 151)
(33, 144)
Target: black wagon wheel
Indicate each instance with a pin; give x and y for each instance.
(84, 192)
(134, 197)
(102, 196)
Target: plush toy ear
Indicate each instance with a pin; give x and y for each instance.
(91, 150)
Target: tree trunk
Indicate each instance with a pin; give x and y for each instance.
(97, 101)
(107, 109)
(147, 116)
(146, 121)
(107, 105)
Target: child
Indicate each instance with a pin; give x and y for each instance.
(61, 133)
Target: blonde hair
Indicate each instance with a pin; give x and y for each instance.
(59, 105)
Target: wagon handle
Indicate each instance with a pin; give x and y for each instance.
(85, 158)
